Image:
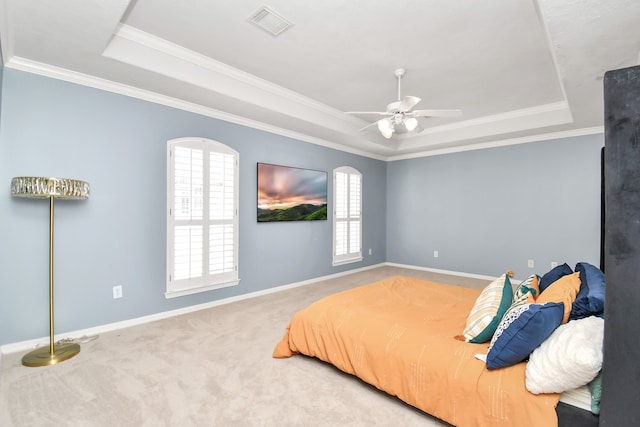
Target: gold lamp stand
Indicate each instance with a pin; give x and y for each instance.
(51, 188)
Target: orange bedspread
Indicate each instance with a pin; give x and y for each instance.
(398, 335)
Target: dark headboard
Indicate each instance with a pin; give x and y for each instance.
(602, 210)
(620, 404)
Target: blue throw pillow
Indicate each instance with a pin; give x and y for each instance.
(521, 331)
(554, 274)
(590, 299)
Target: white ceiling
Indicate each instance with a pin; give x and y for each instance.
(517, 68)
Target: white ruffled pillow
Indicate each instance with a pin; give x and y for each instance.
(568, 359)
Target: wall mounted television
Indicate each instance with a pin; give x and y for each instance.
(288, 193)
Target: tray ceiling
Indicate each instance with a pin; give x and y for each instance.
(518, 69)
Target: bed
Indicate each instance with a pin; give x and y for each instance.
(402, 335)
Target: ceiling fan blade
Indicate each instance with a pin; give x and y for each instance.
(436, 113)
(368, 126)
(377, 113)
(407, 103)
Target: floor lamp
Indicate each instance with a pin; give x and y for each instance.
(50, 188)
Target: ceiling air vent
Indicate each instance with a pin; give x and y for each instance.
(270, 21)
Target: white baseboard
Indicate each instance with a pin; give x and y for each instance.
(435, 270)
(31, 344)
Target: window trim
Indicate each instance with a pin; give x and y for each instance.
(352, 257)
(207, 282)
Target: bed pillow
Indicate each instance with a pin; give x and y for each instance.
(523, 329)
(570, 358)
(554, 274)
(563, 290)
(590, 299)
(528, 290)
(488, 309)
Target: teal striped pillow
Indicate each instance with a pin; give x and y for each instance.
(485, 316)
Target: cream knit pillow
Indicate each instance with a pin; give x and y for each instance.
(570, 358)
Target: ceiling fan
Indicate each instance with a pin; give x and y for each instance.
(400, 116)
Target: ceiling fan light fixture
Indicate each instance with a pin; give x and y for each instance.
(411, 123)
(400, 115)
(385, 127)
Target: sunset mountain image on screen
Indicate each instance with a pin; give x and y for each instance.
(291, 194)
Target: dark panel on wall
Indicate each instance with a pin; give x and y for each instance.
(1, 80)
(620, 404)
(602, 211)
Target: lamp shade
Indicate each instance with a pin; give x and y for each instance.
(41, 187)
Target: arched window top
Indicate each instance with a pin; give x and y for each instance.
(197, 142)
(347, 169)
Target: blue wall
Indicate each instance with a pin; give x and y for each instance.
(490, 210)
(117, 237)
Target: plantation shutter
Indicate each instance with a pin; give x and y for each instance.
(188, 202)
(347, 218)
(202, 226)
(221, 213)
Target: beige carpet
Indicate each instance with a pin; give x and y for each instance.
(208, 368)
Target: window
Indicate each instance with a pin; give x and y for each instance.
(202, 225)
(347, 215)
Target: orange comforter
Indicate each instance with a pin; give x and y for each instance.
(398, 335)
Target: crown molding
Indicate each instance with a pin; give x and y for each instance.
(6, 33)
(161, 45)
(58, 73)
(501, 143)
(146, 51)
(523, 113)
(537, 117)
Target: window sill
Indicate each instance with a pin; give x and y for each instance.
(346, 261)
(191, 291)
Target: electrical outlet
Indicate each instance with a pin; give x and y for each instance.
(117, 292)
(436, 254)
(530, 263)
(369, 251)
(554, 264)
